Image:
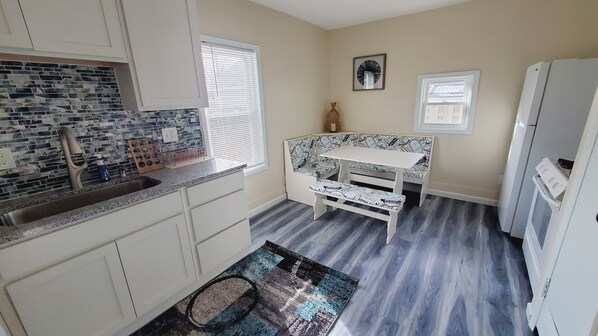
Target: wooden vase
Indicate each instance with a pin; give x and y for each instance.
(333, 123)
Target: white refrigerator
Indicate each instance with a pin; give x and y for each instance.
(554, 106)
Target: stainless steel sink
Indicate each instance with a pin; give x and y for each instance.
(71, 202)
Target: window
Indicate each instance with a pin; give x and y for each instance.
(446, 102)
(234, 120)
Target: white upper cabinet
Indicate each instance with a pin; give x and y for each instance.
(81, 27)
(13, 31)
(165, 68)
(78, 29)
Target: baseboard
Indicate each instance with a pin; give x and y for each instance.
(462, 197)
(267, 205)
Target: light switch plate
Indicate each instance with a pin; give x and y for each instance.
(170, 135)
(6, 159)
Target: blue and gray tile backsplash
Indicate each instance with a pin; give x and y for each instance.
(38, 98)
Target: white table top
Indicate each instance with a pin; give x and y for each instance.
(392, 158)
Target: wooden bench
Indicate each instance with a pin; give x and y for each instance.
(379, 199)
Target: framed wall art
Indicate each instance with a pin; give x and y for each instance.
(369, 72)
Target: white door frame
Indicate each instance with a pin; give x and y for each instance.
(586, 150)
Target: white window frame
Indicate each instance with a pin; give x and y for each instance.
(204, 120)
(423, 81)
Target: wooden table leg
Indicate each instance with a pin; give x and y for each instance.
(343, 173)
(343, 176)
(398, 187)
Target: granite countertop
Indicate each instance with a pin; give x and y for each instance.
(171, 180)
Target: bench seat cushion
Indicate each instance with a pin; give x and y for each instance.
(376, 198)
(319, 168)
(418, 171)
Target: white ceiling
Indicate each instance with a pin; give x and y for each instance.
(333, 14)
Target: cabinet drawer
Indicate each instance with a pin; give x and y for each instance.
(216, 250)
(213, 217)
(219, 187)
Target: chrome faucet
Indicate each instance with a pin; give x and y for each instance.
(75, 162)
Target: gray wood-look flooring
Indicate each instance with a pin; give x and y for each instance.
(448, 271)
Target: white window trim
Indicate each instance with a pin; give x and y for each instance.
(204, 121)
(467, 126)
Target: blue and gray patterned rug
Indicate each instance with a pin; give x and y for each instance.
(272, 291)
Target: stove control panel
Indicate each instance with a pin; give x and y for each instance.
(553, 177)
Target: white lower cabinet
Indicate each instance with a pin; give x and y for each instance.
(114, 273)
(86, 295)
(158, 262)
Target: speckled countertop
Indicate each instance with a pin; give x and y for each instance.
(171, 180)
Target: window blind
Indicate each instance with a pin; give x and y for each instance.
(234, 119)
(446, 102)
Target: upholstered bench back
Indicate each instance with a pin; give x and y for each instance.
(405, 143)
(302, 151)
(326, 142)
(305, 151)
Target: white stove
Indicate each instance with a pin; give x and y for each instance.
(550, 185)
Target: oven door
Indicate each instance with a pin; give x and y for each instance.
(539, 227)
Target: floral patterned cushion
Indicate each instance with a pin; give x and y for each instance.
(377, 198)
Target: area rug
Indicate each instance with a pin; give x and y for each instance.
(272, 291)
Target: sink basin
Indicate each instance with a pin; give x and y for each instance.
(79, 200)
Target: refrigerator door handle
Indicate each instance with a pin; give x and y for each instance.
(544, 193)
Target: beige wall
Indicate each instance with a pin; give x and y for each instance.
(294, 77)
(499, 37)
(303, 67)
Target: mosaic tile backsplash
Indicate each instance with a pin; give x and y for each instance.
(36, 99)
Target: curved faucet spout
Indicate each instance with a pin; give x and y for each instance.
(72, 150)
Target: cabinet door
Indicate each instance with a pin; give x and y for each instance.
(86, 295)
(13, 32)
(213, 252)
(166, 53)
(83, 27)
(157, 262)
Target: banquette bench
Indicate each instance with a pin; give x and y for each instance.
(304, 166)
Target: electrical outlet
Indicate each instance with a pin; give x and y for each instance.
(170, 135)
(6, 159)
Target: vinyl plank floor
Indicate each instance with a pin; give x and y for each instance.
(448, 271)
